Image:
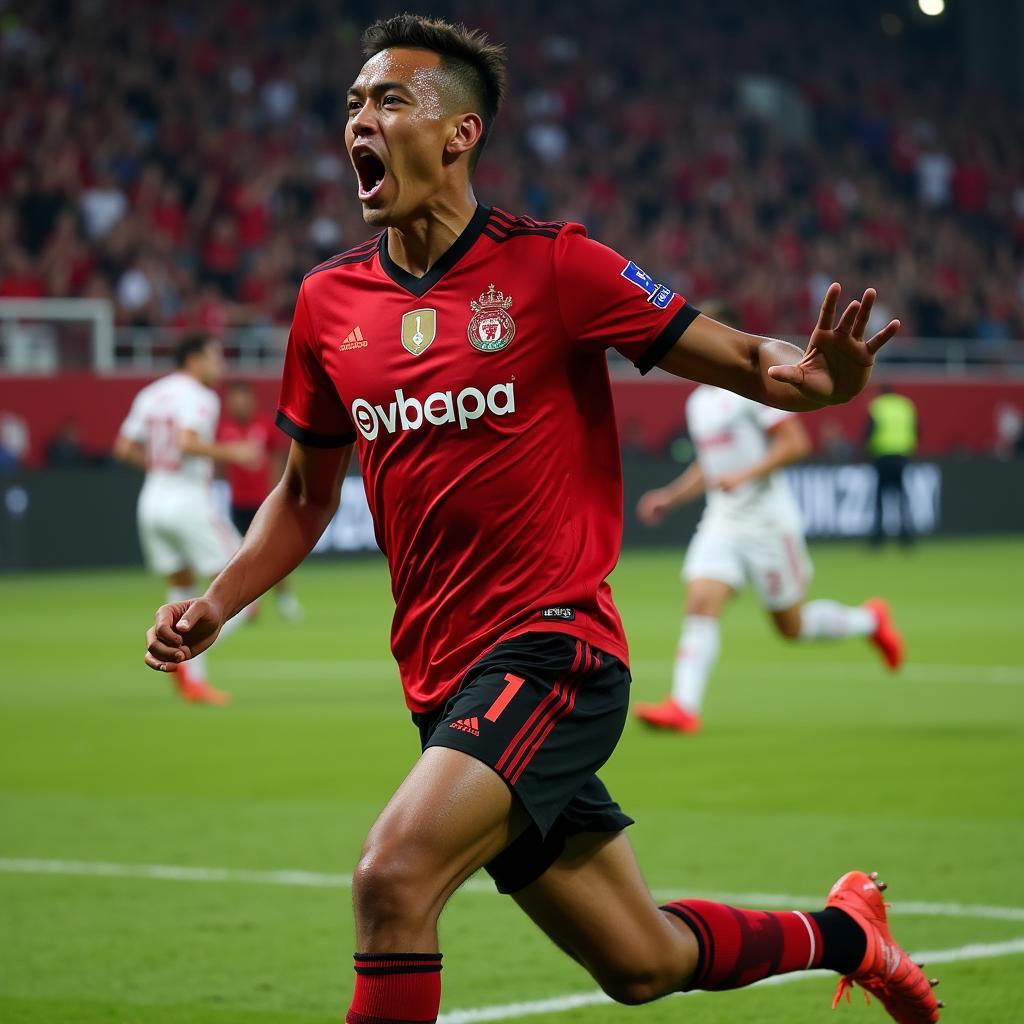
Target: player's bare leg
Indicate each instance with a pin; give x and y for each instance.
(830, 620)
(450, 816)
(696, 656)
(593, 903)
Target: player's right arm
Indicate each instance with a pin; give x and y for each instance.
(287, 526)
(654, 505)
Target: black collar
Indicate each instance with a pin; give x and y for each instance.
(421, 285)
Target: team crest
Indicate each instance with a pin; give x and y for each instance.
(419, 328)
(491, 328)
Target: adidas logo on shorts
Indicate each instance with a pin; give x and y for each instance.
(470, 725)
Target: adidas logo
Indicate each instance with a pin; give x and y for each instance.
(470, 725)
(355, 339)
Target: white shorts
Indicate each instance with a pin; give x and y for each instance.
(776, 562)
(183, 528)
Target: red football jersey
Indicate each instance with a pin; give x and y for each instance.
(249, 486)
(478, 396)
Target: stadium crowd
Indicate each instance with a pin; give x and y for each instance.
(187, 160)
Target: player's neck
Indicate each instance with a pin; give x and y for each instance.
(419, 244)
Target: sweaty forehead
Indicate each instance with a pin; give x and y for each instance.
(415, 68)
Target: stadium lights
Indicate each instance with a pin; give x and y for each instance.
(933, 8)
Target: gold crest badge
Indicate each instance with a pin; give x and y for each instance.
(419, 328)
(491, 328)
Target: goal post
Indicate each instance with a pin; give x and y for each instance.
(44, 336)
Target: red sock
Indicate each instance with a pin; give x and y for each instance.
(739, 947)
(396, 988)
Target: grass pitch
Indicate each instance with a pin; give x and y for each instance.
(814, 760)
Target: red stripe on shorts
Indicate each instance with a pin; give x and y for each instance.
(540, 713)
(562, 710)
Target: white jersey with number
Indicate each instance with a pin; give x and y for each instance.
(752, 534)
(180, 524)
(160, 412)
(731, 434)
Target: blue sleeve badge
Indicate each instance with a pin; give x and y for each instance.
(657, 294)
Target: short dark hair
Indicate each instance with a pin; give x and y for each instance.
(476, 65)
(189, 345)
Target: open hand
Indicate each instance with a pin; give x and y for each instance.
(838, 361)
(181, 631)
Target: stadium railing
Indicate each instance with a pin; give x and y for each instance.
(42, 336)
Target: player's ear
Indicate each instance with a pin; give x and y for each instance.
(465, 134)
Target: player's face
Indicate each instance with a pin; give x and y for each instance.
(211, 364)
(241, 403)
(396, 134)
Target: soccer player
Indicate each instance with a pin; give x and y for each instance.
(250, 485)
(169, 432)
(750, 531)
(462, 349)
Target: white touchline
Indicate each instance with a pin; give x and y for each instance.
(573, 1001)
(300, 879)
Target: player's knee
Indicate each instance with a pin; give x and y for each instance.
(388, 888)
(634, 985)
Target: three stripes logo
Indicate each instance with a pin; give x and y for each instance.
(470, 725)
(556, 706)
(355, 339)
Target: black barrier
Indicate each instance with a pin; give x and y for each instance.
(76, 518)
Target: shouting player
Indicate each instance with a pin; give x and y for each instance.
(462, 350)
(169, 432)
(750, 531)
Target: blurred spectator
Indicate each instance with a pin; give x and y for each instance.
(891, 441)
(190, 159)
(64, 448)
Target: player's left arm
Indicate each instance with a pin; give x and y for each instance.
(789, 443)
(833, 368)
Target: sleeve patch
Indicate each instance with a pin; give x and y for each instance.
(657, 294)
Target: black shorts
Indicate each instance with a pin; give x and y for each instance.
(545, 711)
(242, 517)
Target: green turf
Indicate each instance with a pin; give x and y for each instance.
(813, 761)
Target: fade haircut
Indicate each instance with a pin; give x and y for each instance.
(475, 65)
(189, 345)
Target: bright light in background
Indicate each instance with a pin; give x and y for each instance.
(933, 8)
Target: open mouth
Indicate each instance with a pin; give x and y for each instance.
(370, 170)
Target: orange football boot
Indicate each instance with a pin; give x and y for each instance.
(198, 691)
(668, 715)
(886, 637)
(886, 971)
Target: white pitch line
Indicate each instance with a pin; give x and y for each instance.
(327, 880)
(574, 1001)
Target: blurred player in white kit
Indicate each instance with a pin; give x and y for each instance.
(751, 531)
(170, 432)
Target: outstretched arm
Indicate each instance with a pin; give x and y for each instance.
(284, 531)
(834, 367)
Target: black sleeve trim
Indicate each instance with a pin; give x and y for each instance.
(304, 436)
(670, 334)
